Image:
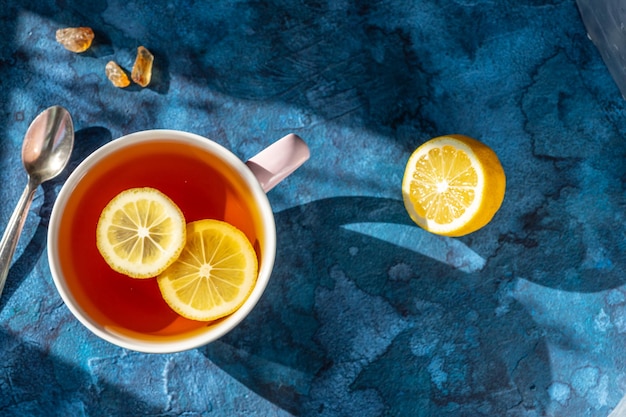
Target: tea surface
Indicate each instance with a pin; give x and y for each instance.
(199, 183)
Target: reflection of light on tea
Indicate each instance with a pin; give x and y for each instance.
(447, 250)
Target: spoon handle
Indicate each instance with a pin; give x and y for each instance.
(14, 229)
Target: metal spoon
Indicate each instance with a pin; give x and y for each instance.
(46, 149)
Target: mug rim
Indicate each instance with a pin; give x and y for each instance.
(164, 344)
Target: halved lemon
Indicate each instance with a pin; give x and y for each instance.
(453, 185)
(140, 232)
(214, 274)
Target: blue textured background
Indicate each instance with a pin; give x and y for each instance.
(366, 314)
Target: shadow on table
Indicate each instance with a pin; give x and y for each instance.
(85, 142)
(352, 324)
(331, 60)
(34, 383)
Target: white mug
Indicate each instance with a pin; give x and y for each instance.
(206, 181)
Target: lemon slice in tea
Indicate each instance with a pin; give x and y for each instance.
(214, 274)
(453, 185)
(140, 232)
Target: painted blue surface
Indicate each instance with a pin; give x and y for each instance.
(366, 314)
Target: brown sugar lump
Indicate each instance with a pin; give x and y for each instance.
(116, 75)
(142, 69)
(75, 39)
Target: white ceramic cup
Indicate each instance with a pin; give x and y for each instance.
(207, 181)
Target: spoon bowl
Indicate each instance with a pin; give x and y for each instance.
(46, 149)
(48, 143)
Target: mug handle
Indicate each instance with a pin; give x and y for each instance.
(276, 162)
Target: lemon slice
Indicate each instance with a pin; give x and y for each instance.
(140, 232)
(214, 274)
(453, 185)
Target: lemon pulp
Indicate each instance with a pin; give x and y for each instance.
(140, 232)
(214, 274)
(453, 185)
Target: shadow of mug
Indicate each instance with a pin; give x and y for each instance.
(352, 324)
